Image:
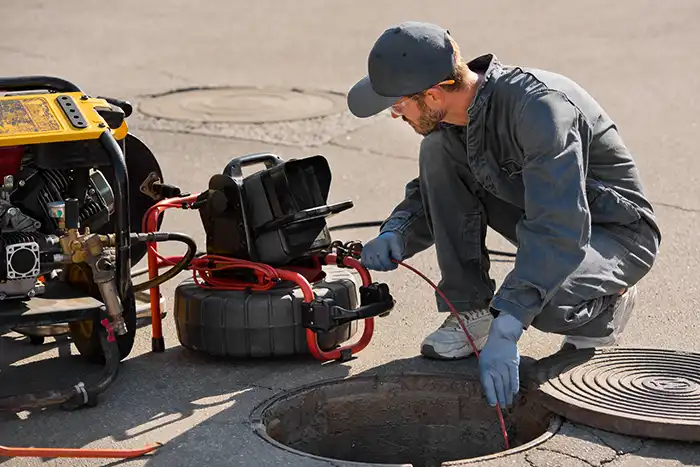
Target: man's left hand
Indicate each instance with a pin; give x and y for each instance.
(499, 361)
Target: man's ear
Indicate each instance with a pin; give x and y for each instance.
(434, 97)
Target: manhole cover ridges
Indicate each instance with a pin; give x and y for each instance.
(632, 391)
(242, 104)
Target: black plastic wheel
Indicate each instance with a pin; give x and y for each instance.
(84, 333)
(36, 340)
(259, 324)
(86, 337)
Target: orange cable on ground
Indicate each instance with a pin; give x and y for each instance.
(77, 453)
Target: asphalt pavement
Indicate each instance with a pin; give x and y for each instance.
(636, 57)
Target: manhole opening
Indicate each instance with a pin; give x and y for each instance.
(418, 420)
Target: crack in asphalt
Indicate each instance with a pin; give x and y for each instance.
(633, 451)
(675, 206)
(23, 52)
(269, 388)
(161, 72)
(373, 152)
(585, 461)
(621, 453)
(616, 456)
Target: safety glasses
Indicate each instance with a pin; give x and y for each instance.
(399, 107)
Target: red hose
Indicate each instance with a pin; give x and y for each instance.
(504, 432)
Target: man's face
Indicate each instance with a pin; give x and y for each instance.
(416, 113)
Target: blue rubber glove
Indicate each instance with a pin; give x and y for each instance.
(377, 253)
(499, 361)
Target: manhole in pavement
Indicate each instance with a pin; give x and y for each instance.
(243, 104)
(417, 420)
(637, 392)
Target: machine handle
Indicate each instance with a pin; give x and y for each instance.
(122, 104)
(31, 83)
(234, 169)
(305, 216)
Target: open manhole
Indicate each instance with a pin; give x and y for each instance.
(652, 393)
(243, 104)
(409, 420)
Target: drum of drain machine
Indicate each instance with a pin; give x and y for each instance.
(248, 324)
(651, 393)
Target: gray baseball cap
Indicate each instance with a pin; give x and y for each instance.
(407, 58)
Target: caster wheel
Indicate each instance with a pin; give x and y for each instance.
(37, 340)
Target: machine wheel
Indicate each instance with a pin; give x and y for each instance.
(259, 324)
(87, 340)
(36, 340)
(84, 333)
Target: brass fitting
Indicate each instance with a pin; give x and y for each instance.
(80, 247)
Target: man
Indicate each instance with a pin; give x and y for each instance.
(532, 155)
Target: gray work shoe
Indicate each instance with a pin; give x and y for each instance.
(623, 310)
(449, 341)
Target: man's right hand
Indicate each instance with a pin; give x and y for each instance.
(377, 254)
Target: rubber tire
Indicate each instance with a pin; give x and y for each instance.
(260, 324)
(36, 340)
(87, 340)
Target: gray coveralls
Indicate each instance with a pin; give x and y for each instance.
(541, 163)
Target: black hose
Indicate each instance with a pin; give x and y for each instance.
(121, 206)
(356, 225)
(178, 267)
(76, 396)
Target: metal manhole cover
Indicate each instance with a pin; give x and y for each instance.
(243, 104)
(637, 392)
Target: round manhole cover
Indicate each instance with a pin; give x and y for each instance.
(637, 392)
(243, 105)
(417, 420)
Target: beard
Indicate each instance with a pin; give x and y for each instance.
(428, 121)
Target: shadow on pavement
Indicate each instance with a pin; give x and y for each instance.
(168, 398)
(199, 407)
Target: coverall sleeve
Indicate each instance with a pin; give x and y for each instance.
(556, 227)
(408, 218)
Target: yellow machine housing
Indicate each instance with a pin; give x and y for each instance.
(55, 117)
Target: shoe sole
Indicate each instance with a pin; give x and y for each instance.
(428, 351)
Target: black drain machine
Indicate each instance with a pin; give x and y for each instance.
(272, 281)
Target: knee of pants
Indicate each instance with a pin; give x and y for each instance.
(589, 318)
(439, 156)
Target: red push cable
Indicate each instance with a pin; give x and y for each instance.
(504, 432)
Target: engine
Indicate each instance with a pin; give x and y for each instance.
(32, 212)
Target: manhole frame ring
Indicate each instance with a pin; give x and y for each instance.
(259, 429)
(315, 91)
